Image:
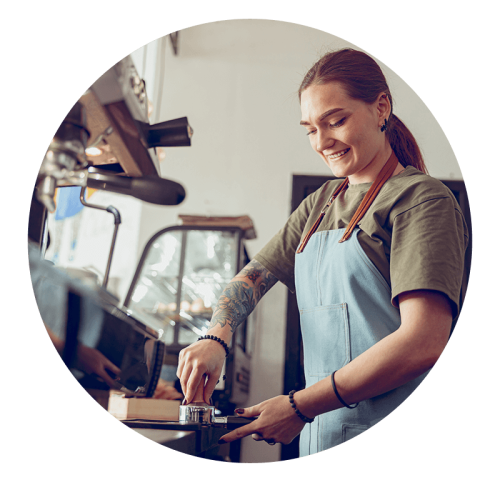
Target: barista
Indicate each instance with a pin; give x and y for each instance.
(376, 262)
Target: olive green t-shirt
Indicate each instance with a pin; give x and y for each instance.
(414, 233)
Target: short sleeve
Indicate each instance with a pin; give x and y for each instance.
(428, 250)
(278, 256)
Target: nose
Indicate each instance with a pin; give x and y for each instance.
(324, 140)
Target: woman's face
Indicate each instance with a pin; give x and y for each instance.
(346, 132)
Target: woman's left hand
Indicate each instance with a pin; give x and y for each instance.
(277, 422)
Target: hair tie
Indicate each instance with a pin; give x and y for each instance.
(338, 395)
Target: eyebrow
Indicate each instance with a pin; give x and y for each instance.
(324, 115)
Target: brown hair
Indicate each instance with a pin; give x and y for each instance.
(363, 79)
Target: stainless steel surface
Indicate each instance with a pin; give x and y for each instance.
(200, 413)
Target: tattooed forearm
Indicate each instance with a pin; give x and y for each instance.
(234, 305)
(260, 277)
(239, 298)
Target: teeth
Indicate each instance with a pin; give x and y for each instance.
(337, 155)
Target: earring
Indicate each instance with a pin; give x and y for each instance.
(384, 126)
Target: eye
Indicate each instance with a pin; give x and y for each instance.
(331, 125)
(337, 124)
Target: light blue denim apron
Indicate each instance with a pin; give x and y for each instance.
(345, 308)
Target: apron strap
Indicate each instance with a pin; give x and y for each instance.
(382, 177)
(311, 231)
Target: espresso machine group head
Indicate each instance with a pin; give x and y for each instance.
(111, 117)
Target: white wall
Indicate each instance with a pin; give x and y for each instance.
(236, 81)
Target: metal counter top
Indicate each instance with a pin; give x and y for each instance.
(193, 439)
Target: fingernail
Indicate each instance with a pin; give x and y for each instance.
(221, 441)
(239, 411)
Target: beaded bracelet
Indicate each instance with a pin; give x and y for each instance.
(338, 395)
(221, 342)
(294, 406)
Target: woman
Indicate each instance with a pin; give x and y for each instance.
(377, 260)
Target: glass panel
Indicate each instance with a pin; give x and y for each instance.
(208, 267)
(203, 267)
(154, 298)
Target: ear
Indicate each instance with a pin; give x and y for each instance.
(384, 107)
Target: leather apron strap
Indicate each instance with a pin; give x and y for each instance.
(382, 177)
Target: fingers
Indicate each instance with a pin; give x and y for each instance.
(195, 378)
(257, 437)
(180, 371)
(108, 366)
(246, 430)
(111, 367)
(242, 432)
(105, 376)
(210, 386)
(185, 373)
(106, 379)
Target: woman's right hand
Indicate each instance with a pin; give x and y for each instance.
(199, 362)
(205, 359)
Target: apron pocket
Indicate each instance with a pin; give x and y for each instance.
(326, 339)
(352, 430)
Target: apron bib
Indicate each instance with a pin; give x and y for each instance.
(345, 308)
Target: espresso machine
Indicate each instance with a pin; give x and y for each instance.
(112, 117)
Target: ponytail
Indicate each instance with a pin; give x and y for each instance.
(404, 145)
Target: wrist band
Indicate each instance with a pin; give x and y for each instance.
(221, 342)
(294, 406)
(338, 395)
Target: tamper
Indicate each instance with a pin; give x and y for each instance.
(197, 412)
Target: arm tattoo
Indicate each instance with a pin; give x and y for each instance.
(234, 305)
(262, 279)
(239, 298)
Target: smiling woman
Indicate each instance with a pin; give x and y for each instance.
(376, 261)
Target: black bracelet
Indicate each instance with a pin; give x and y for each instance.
(338, 395)
(221, 342)
(294, 406)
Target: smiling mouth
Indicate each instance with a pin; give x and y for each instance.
(339, 154)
